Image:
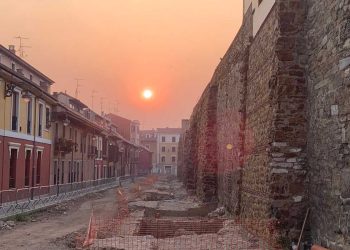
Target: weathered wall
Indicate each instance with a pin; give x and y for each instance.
(275, 165)
(329, 120)
(265, 119)
(231, 76)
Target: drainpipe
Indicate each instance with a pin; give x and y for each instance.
(82, 156)
(33, 152)
(3, 150)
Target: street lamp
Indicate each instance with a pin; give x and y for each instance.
(66, 122)
(27, 97)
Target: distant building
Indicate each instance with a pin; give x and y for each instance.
(148, 139)
(144, 165)
(135, 132)
(167, 148)
(129, 129)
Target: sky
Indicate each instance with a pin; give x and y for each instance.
(121, 47)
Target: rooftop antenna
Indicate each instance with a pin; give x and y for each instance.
(93, 92)
(115, 107)
(102, 99)
(21, 50)
(78, 85)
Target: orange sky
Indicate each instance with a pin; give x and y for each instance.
(121, 47)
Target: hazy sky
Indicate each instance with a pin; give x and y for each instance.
(121, 47)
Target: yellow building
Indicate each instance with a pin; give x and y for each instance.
(25, 124)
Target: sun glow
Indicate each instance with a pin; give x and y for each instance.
(147, 94)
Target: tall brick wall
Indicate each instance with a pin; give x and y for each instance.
(328, 34)
(262, 138)
(232, 81)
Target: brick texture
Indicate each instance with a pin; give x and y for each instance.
(269, 136)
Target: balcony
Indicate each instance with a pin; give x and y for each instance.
(64, 146)
(92, 151)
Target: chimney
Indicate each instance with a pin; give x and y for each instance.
(12, 49)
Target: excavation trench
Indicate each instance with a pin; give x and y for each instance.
(166, 228)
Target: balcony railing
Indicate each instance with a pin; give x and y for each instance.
(64, 146)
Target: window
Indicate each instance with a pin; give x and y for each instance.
(62, 176)
(13, 166)
(69, 172)
(56, 130)
(174, 139)
(15, 111)
(74, 171)
(31, 77)
(82, 173)
(163, 138)
(29, 117)
(27, 168)
(77, 176)
(76, 140)
(13, 66)
(173, 149)
(38, 167)
(63, 132)
(173, 159)
(163, 158)
(48, 117)
(40, 125)
(55, 172)
(163, 149)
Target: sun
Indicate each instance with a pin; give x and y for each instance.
(147, 94)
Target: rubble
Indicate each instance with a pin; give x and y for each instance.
(217, 213)
(156, 195)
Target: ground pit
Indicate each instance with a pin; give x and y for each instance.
(166, 228)
(155, 219)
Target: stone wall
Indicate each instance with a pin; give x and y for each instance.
(328, 34)
(232, 81)
(269, 136)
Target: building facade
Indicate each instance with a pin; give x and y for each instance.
(167, 148)
(25, 125)
(55, 143)
(148, 139)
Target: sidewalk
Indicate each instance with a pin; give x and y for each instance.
(27, 205)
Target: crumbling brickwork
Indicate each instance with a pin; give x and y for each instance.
(328, 35)
(269, 136)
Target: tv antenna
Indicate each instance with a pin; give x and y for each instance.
(116, 106)
(22, 47)
(93, 92)
(102, 99)
(78, 86)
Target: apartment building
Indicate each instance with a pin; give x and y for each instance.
(25, 125)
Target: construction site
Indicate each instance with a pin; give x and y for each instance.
(153, 212)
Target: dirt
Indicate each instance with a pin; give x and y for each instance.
(58, 227)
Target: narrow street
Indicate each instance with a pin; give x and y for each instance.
(58, 226)
(160, 215)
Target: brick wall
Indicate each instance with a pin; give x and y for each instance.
(328, 34)
(269, 136)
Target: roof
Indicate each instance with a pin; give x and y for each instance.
(73, 99)
(20, 60)
(169, 130)
(116, 118)
(9, 74)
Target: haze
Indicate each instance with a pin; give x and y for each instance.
(121, 48)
